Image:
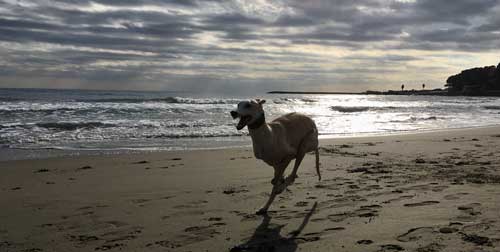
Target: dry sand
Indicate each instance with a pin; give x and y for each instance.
(424, 192)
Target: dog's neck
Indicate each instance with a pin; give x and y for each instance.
(259, 130)
(261, 135)
(261, 120)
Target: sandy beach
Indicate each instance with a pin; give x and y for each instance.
(425, 192)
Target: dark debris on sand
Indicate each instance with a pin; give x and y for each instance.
(233, 190)
(87, 167)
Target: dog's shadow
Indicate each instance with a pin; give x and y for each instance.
(267, 237)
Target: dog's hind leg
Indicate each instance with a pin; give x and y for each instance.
(305, 146)
(291, 178)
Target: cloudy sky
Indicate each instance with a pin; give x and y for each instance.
(244, 46)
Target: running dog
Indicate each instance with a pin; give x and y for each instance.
(277, 143)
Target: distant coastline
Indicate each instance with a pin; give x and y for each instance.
(479, 81)
(312, 92)
(441, 92)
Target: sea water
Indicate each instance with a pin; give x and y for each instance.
(38, 119)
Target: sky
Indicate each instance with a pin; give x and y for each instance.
(236, 46)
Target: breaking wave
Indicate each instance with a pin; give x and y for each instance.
(415, 119)
(70, 126)
(491, 107)
(62, 126)
(194, 135)
(294, 100)
(170, 99)
(355, 109)
(349, 109)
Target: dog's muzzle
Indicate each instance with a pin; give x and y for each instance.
(244, 119)
(234, 114)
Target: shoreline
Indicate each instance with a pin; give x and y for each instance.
(414, 192)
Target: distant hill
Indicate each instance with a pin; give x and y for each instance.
(475, 81)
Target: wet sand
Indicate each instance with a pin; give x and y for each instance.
(425, 192)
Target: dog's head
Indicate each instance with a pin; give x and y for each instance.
(248, 112)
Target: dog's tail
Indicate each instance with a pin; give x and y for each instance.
(317, 163)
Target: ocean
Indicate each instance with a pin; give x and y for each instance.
(76, 121)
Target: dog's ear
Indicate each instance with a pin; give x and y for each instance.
(260, 102)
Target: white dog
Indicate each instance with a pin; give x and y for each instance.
(277, 143)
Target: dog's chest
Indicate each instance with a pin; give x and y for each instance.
(269, 155)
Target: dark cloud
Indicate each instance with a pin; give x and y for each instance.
(458, 11)
(188, 41)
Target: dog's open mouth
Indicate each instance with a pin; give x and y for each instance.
(243, 122)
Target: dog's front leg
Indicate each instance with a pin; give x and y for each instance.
(278, 187)
(278, 177)
(264, 209)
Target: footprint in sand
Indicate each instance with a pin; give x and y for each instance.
(439, 188)
(332, 230)
(33, 250)
(140, 201)
(83, 238)
(366, 213)
(109, 246)
(415, 234)
(120, 234)
(199, 233)
(301, 204)
(318, 219)
(364, 242)
(233, 190)
(300, 240)
(117, 224)
(423, 203)
(164, 244)
(455, 196)
(470, 210)
(371, 206)
(469, 206)
(433, 247)
(400, 198)
(191, 205)
(214, 219)
(477, 227)
(87, 167)
(447, 230)
(338, 217)
(46, 225)
(390, 248)
(476, 239)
